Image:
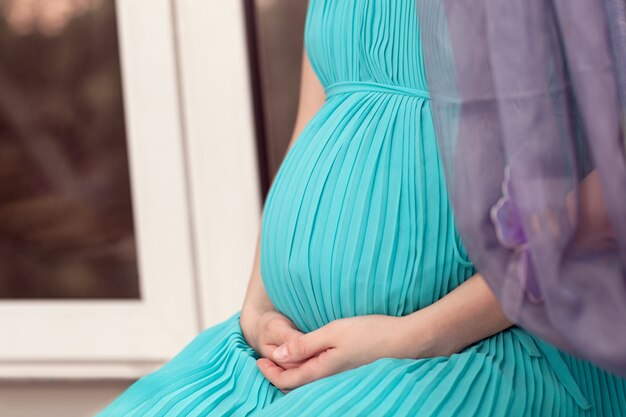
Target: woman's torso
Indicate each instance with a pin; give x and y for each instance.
(357, 220)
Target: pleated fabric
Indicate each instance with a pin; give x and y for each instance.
(357, 222)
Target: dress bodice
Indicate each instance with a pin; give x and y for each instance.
(356, 41)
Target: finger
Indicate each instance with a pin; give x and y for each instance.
(263, 364)
(276, 332)
(304, 346)
(321, 366)
(266, 350)
(268, 368)
(270, 350)
(288, 364)
(281, 331)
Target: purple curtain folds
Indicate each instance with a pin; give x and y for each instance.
(528, 98)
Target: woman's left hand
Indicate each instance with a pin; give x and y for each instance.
(338, 346)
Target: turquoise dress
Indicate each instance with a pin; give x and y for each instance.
(357, 221)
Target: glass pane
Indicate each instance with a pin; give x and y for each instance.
(66, 226)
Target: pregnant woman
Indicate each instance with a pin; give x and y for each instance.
(362, 301)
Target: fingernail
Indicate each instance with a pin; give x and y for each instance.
(281, 352)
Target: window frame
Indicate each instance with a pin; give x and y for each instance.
(196, 202)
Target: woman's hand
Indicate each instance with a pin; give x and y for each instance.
(462, 317)
(269, 330)
(263, 327)
(340, 345)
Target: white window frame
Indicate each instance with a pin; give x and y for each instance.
(221, 149)
(202, 161)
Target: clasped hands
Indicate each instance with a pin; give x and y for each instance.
(290, 358)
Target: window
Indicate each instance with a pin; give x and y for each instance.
(128, 178)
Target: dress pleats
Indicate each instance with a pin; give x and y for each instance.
(358, 222)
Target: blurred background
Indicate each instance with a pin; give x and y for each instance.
(137, 143)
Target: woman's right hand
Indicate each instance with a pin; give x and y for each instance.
(263, 327)
(268, 330)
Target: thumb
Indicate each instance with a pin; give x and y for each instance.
(303, 347)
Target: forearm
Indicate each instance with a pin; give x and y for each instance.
(312, 97)
(466, 315)
(587, 211)
(256, 301)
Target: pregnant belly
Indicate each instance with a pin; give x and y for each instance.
(357, 220)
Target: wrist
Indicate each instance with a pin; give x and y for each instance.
(249, 316)
(251, 311)
(247, 323)
(423, 337)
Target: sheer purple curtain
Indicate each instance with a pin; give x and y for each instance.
(529, 100)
